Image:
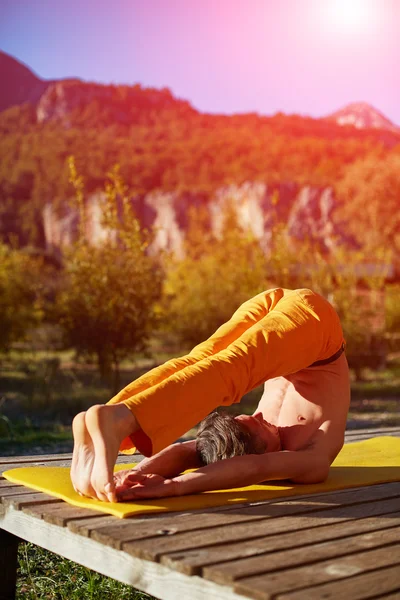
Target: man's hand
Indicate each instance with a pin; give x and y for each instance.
(139, 486)
(123, 477)
(168, 463)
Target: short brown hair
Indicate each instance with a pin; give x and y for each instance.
(221, 436)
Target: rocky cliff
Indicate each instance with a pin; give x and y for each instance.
(307, 211)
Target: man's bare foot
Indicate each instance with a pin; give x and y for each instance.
(82, 458)
(107, 426)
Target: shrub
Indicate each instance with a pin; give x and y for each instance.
(107, 301)
(21, 306)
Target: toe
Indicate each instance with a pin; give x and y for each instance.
(110, 491)
(102, 496)
(98, 488)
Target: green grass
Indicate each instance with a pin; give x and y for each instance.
(44, 575)
(25, 439)
(53, 388)
(375, 399)
(383, 384)
(40, 393)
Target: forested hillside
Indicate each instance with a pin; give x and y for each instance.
(163, 144)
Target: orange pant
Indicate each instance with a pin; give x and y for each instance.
(276, 333)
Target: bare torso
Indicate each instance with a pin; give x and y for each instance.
(304, 404)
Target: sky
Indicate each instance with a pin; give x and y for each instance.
(308, 57)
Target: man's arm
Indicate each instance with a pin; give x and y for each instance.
(172, 460)
(303, 466)
(240, 471)
(168, 463)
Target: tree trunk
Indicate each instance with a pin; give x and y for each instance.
(117, 375)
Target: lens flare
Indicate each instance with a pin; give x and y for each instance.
(349, 16)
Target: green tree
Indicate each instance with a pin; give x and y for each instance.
(351, 279)
(393, 309)
(216, 275)
(107, 304)
(21, 306)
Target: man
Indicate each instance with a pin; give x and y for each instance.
(291, 340)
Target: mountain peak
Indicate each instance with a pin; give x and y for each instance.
(362, 116)
(22, 85)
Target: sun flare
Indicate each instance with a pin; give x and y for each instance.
(349, 16)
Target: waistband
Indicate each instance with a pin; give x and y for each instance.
(326, 361)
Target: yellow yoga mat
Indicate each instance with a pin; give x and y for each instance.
(372, 461)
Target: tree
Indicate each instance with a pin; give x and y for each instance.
(369, 201)
(216, 275)
(20, 295)
(107, 302)
(348, 278)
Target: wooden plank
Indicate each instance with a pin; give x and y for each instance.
(14, 462)
(363, 435)
(210, 562)
(54, 463)
(118, 532)
(4, 484)
(84, 527)
(286, 581)
(152, 578)
(48, 458)
(374, 431)
(59, 513)
(302, 555)
(27, 458)
(34, 458)
(360, 438)
(124, 459)
(157, 525)
(18, 501)
(153, 548)
(359, 587)
(8, 564)
(16, 490)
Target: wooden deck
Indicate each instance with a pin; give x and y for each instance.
(342, 544)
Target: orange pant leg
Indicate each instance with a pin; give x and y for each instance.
(247, 315)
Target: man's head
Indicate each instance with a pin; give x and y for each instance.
(222, 436)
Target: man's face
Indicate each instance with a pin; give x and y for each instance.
(261, 430)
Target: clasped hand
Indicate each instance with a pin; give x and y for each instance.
(134, 485)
